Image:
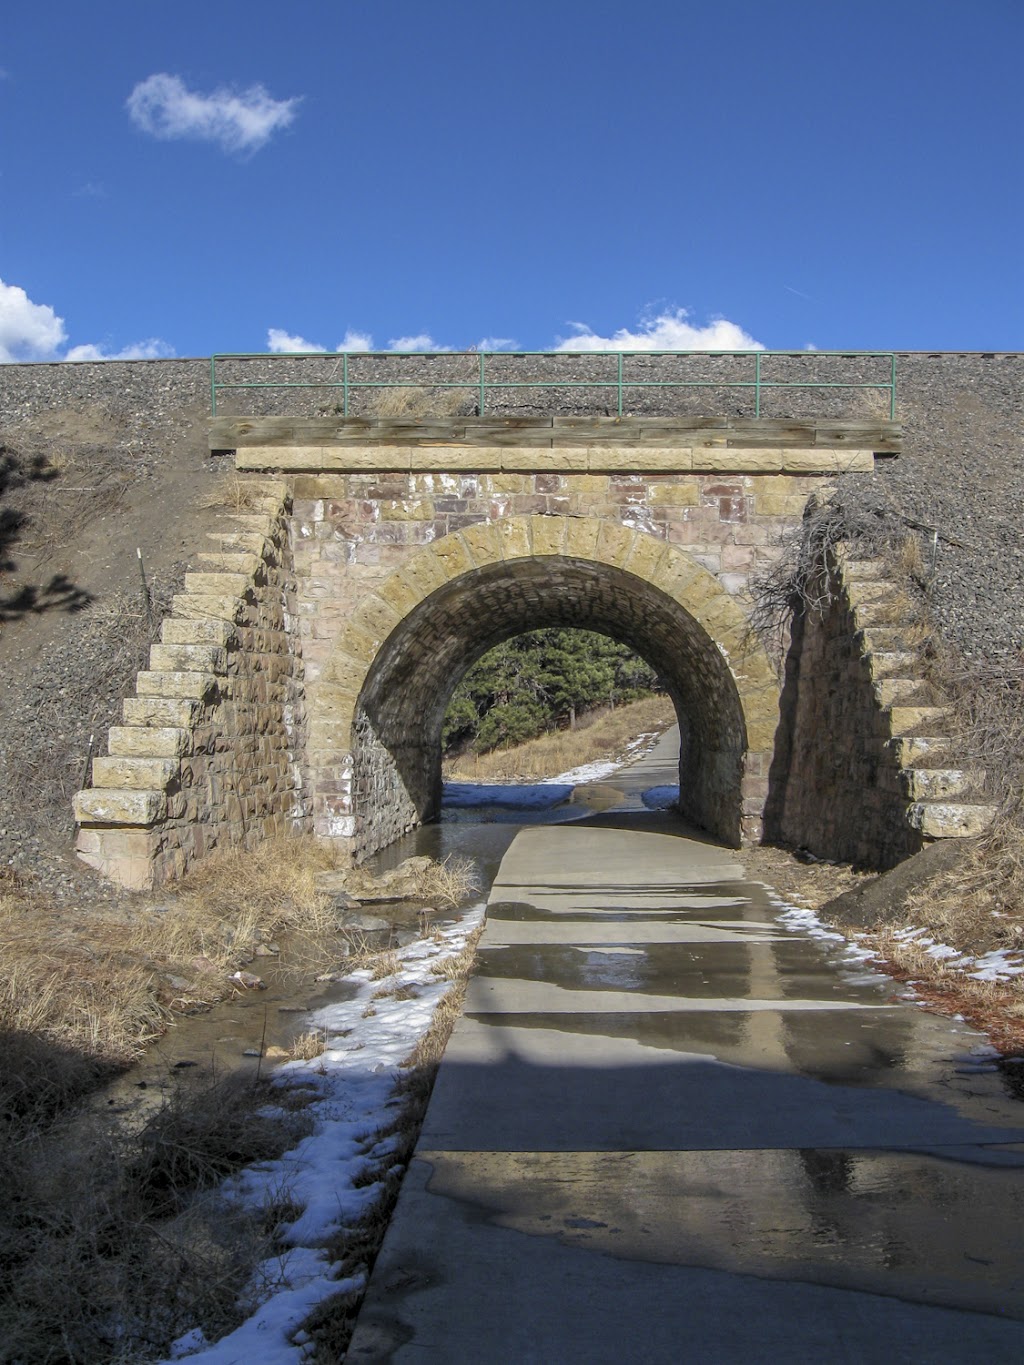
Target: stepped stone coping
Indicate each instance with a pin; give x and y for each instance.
(897, 681)
(188, 667)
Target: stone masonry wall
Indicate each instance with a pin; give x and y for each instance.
(210, 748)
(351, 530)
(864, 768)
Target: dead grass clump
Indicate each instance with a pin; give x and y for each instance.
(234, 900)
(409, 401)
(449, 882)
(598, 735)
(71, 986)
(112, 1243)
(232, 493)
(309, 1045)
(204, 1133)
(385, 964)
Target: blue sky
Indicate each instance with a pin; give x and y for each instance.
(219, 176)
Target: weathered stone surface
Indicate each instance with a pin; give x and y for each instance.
(102, 806)
(949, 820)
(139, 774)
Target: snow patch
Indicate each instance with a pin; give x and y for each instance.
(329, 1174)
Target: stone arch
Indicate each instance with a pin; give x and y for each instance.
(377, 710)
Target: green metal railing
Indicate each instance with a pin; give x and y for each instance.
(482, 386)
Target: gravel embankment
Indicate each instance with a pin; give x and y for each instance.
(137, 429)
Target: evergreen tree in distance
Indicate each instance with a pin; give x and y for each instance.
(541, 681)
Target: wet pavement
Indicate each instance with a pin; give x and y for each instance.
(669, 1128)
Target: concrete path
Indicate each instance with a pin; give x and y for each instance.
(668, 1130)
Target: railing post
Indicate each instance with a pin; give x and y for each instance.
(344, 384)
(620, 383)
(757, 383)
(892, 388)
(483, 383)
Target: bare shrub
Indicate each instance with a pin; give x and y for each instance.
(801, 578)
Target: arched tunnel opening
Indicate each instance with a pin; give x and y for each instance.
(400, 711)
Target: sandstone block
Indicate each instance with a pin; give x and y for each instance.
(143, 741)
(737, 459)
(544, 460)
(548, 535)
(164, 658)
(453, 555)
(207, 606)
(581, 537)
(950, 820)
(645, 555)
(217, 584)
(682, 494)
(514, 535)
(105, 806)
(400, 594)
(231, 561)
(184, 685)
(135, 774)
(161, 712)
(176, 631)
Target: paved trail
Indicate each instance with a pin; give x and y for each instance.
(669, 1130)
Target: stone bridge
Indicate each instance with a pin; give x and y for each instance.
(365, 564)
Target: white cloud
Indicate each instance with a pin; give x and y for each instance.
(285, 343)
(151, 349)
(497, 344)
(237, 120)
(422, 341)
(355, 341)
(668, 331)
(28, 331)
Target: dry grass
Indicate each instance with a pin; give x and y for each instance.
(112, 1241)
(450, 882)
(415, 402)
(309, 1045)
(233, 493)
(102, 985)
(996, 1008)
(69, 984)
(599, 735)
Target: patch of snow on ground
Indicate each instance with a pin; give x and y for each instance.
(660, 798)
(329, 1174)
(1002, 964)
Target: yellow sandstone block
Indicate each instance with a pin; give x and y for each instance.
(453, 555)
(646, 555)
(683, 494)
(514, 533)
(614, 543)
(549, 535)
(581, 537)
